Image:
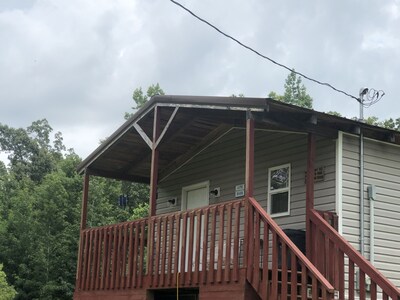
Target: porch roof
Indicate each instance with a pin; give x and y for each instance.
(192, 122)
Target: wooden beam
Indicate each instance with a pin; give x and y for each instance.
(154, 162)
(84, 200)
(171, 118)
(143, 134)
(310, 190)
(249, 175)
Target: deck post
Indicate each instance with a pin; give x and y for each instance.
(83, 225)
(154, 162)
(249, 155)
(310, 191)
(249, 186)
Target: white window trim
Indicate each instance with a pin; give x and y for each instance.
(185, 189)
(287, 189)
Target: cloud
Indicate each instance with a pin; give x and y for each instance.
(77, 63)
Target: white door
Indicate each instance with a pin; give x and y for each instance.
(194, 196)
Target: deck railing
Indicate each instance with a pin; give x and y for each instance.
(335, 257)
(184, 248)
(290, 274)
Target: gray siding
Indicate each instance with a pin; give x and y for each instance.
(382, 169)
(223, 164)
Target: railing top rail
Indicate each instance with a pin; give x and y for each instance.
(314, 271)
(387, 286)
(225, 203)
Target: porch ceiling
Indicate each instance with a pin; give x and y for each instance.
(198, 121)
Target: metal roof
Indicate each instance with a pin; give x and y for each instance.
(126, 155)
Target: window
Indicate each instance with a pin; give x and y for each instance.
(279, 190)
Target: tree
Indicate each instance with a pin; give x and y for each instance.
(7, 292)
(295, 92)
(140, 98)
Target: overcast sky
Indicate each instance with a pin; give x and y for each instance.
(76, 63)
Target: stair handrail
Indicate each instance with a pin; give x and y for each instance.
(387, 286)
(307, 263)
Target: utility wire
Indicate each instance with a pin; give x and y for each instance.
(262, 55)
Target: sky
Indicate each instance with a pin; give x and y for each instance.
(77, 63)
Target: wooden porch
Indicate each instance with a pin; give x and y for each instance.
(234, 243)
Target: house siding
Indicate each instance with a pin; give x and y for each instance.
(223, 164)
(382, 169)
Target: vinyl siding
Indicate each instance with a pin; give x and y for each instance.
(223, 164)
(382, 169)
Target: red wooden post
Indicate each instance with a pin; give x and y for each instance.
(249, 156)
(83, 226)
(310, 190)
(154, 162)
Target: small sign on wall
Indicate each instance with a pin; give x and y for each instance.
(239, 190)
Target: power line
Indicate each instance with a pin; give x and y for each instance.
(262, 55)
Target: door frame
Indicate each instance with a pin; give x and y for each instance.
(199, 185)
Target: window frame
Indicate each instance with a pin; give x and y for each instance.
(279, 191)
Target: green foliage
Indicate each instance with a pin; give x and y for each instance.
(140, 211)
(7, 292)
(140, 98)
(295, 92)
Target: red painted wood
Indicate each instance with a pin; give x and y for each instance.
(119, 257)
(250, 243)
(220, 243)
(150, 250)
(303, 281)
(104, 258)
(183, 248)
(314, 288)
(135, 255)
(256, 255)
(177, 247)
(109, 256)
(196, 274)
(351, 280)
(204, 260)
(188, 277)
(156, 263)
(154, 162)
(163, 250)
(95, 257)
(89, 260)
(236, 227)
(341, 273)
(373, 291)
(249, 172)
(309, 189)
(124, 257)
(265, 283)
(212, 244)
(141, 251)
(284, 272)
(385, 296)
(170, 229)
(130, 254)
(84, 259)
(99, 258)
(274, 285)
(362, 284)
(293, 276)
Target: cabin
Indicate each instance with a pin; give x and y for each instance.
(250, 198)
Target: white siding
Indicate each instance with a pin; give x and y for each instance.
(382, 169)
(223, 164)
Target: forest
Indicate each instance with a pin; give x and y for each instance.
(40, 199)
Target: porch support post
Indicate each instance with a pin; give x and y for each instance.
(85, 200)
(310, 191)
(154, 162)
(249, 179)
(83, 226)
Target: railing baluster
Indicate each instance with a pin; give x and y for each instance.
(177, 247)
(141, 256)
(284, 267)
(235, 268)
(361, 281)
(170, 229)
(95, 257)
(212, 245)
(89, 260)
(274, 285)
(256, 268)
(304, 282)
(109, 256)
(220, 243)
(130, 255)
(341, 273)
(150, 250)
(188, 278)
(351, 280)
(266, 260)
(85, 258)
(204, 260)
(156, 263)
(135, 248)
(163, 250)
(198, 239)
(124, 262)
(183, 248)
(227, 275)
(293, 276)
(373, 290)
